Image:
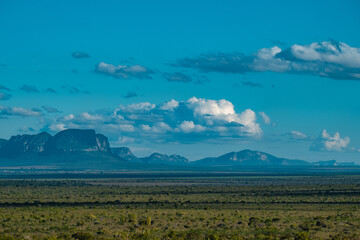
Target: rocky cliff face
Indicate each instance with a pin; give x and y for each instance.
(65, 141)
(157, 158)
(78, 140)
(25, 144)
(124, 153)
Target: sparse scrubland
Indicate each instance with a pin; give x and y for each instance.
(236, 207)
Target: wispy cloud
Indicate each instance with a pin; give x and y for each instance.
(296, 135)
(2, 87)
(50, 90)
(130, 94)
(5, 96)
(265, 117)
(124, 71)
(329, 59)
(74, 90)
(80, 55)
(29, 88)
(19, 111)
(177, 77)
(251, 84)
(50, 109)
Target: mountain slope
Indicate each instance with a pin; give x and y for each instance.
(248, 158)
(72, 148)
(157, 158)
(125, 153)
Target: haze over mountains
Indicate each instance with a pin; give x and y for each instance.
(85, 149)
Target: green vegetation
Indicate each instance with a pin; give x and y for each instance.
(262, 207)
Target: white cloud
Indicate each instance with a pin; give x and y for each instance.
(218, 112)
(330, 59)
(326, 142)
(265, 117)
(19, 111)
(189, 126)
(124, 71)
(170, 105)
(296, 135)
(88, 117)
(331, 52)
(196, 119)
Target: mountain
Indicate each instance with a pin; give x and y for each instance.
(332, 163)
(125, 153)
(72, 148)
(2, 142)
(157, 158)
(78, 140)
(248, 158)
(20, 144)
(325, 163)
(86, 149)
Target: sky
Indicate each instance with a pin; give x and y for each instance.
(195, 78)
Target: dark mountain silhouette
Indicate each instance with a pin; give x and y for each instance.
(155, 158)
(85, 149)
(78, 140)
(249, 158)
(72, 148)
(125, 153)
(158, 158)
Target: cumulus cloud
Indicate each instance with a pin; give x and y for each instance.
(80, 55)
(29, 88)
(326, 142)
(330, 59)
(19, 111)
(49, 109)
(192, 120)
(5, 96)
(265, 117)
(124, 71)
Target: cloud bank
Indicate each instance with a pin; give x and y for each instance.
(329, 59)
(19, 111)
(196, 119)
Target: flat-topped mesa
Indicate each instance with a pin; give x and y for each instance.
(65, 141)
(78, 140)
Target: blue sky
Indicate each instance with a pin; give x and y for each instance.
(264, 75)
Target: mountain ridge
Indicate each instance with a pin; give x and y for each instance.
(87, 149)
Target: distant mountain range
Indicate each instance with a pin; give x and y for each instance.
(85, 149)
